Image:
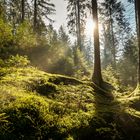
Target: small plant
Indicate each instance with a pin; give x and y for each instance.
(112, 77)
(17, 61)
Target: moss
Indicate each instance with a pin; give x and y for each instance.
(46, 88)
(135, 104)
(39, 105)
(58, 79)
(26, 118)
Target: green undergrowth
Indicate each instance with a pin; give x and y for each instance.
(39, 106)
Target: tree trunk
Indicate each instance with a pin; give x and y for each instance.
(79, 25)
(138, 30)
(4, 12)
(97, 76)
(76, 27)
(113, 49)
(35, 14)
(23, 10)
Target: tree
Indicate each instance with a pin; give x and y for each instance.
(63, 37)
(77, 12)
(107, 54)
(15, 12)
(115, 25)
(128, 63)
(42, 9)
(3, 9)
(23, 10)
(97, 76)
(138, 13)
(78, 23)
(88, 51)
(35, 14)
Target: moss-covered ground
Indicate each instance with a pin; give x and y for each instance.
(35, 105)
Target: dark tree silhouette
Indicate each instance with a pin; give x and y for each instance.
(42, 9)
(97, 76)
(23, 10)
(35, 13)
(138, 28)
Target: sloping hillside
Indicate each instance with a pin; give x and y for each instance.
(38, 106)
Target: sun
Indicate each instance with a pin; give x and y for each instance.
(90, 26)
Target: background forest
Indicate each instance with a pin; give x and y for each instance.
(62, 84)
(27, 29)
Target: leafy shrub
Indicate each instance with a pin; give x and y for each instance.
(15, 61)
(112, 77)
(81, 67)
(1, 63)
(6, 36)
(25, 37)
(64, 65)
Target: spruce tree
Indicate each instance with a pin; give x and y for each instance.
(77, 12)
(42, 9)
(115, 28)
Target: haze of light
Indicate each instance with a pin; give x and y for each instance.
(90, 26)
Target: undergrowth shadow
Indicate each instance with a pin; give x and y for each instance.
(115, 122)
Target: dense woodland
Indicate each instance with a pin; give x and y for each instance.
(62, 85)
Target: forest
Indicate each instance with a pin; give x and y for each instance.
(73, 78)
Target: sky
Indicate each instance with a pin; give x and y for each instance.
(130, 13)
(61, 13)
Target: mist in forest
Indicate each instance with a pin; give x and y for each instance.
(69, 69)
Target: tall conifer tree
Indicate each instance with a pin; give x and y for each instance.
(97, 76)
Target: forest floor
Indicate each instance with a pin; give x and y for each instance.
(36, 105)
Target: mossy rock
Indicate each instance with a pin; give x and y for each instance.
(64, 80)
(46, 88)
